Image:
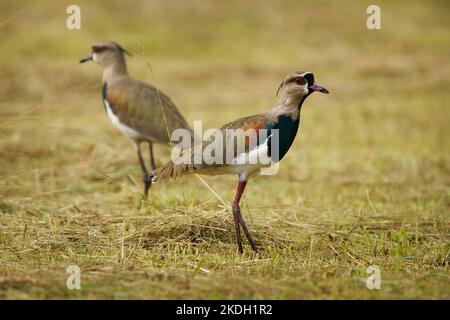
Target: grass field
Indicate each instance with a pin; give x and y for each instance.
(365, 183)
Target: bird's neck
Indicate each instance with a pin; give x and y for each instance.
(116, 69)
(289, 105)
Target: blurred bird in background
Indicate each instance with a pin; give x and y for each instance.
(140, 111)
(283, 119)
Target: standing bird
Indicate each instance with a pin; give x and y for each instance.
(281, 121)
(140, 111)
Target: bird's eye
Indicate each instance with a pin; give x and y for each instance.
(300, 81)
(98, 49)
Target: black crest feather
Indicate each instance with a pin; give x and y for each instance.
(123, 50)
(279, 88)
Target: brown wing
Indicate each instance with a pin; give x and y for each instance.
(145, 109)
(231, 143)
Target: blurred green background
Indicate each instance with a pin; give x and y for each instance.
(366, 181)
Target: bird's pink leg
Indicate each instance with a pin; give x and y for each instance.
(152, 159)
(238, 220)
(238, 228)
(147, 182)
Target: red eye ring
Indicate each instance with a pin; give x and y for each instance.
(300, 81)
(97, 49)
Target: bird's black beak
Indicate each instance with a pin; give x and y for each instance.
(86, 58)
(316, 87)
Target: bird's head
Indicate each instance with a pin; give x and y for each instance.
(105, 53)
(299, 84)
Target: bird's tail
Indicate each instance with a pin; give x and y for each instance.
(173, 170)
(170, 171)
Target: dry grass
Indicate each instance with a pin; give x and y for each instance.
(366, 182)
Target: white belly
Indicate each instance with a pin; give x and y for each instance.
(249, 164)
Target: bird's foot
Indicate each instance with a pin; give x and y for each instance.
(239, 222)
(147, 184)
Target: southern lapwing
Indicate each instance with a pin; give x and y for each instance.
(140, 111)
(283, 120)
